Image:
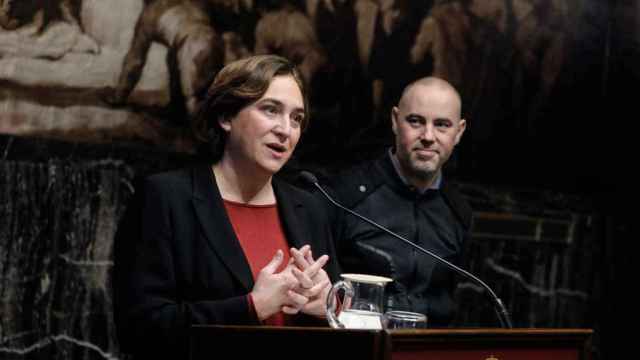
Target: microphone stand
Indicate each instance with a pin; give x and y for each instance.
(501, 310)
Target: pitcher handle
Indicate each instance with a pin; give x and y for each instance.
(334, 307)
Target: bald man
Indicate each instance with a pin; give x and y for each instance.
(405, 191)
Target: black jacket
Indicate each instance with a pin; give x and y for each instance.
(438, 220)
(180, 263)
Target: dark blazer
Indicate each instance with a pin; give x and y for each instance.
(184, 264)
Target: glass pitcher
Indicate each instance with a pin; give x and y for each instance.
(361, 306)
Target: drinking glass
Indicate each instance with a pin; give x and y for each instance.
(404, 320)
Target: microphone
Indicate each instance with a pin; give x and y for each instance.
(501, 310)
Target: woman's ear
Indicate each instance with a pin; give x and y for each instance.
(225, 123)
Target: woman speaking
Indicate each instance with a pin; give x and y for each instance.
(226, 242)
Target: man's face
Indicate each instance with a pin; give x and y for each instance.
(427, 126)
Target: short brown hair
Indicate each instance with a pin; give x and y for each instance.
(237, 85)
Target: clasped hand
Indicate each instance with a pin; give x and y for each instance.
(302, 286)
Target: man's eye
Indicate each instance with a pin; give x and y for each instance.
(443, 124)
(414, 121)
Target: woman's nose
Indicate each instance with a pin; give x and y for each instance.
(283, 127)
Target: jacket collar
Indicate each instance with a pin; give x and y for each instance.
(216, 225)
(386, 170)
(290, 207)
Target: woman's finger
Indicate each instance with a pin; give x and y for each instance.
(297, 300)
(300, 259)
(305, 281)
(290, 310)
(313, 269)
(316, 289)
(272, 266)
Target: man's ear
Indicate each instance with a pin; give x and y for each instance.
(462, 126)
(394, 119)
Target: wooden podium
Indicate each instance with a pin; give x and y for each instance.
(303, 343)
(489, 344)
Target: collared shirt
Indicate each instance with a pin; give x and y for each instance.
(435, 185)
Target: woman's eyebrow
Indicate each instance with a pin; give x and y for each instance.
(279, 103)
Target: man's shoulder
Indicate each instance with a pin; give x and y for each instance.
(458, 203)
(358, 182)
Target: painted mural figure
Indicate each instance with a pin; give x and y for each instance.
(346, 108)
(533, 34)
(288, 32)
(17, 13)
(394, 29)
(43, 29)
(196, 50)
(380, 33)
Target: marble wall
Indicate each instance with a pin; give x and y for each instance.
(60, 204)
(527, 245)
(57, 228)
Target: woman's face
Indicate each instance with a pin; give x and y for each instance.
(264, 134)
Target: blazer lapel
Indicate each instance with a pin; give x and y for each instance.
(216, 225)
(290, 208)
